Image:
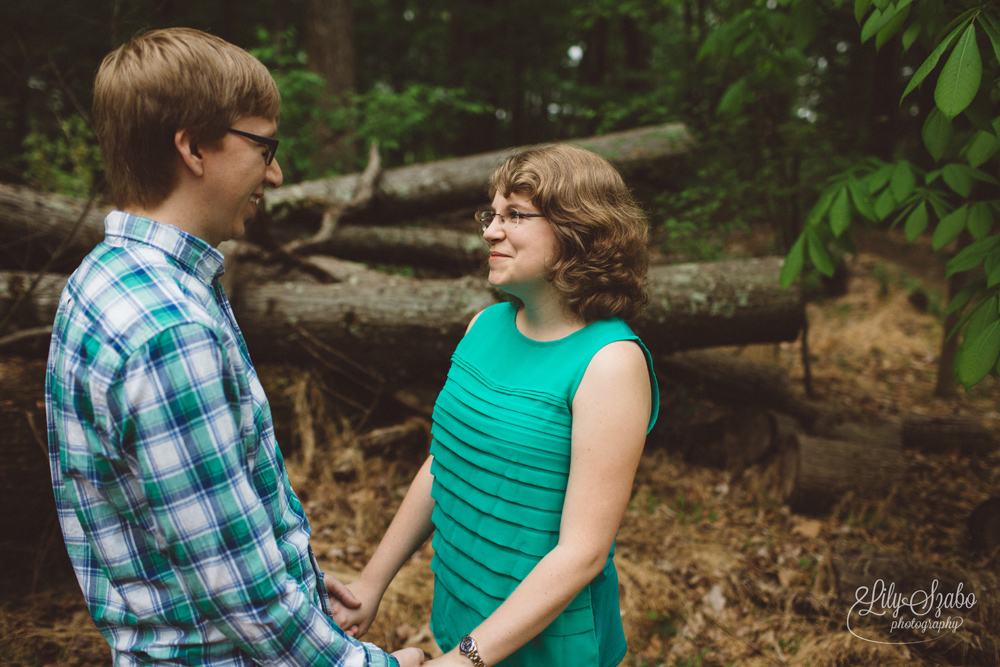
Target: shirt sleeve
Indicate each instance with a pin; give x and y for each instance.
(180, 414)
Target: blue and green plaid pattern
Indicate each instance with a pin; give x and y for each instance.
(187, 539)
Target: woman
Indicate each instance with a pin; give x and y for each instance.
(538, 430)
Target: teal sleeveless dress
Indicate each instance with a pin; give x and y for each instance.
(501, 447)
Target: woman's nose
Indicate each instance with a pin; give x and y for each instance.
(494, 230)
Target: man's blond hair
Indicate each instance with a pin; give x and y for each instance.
(162, 81)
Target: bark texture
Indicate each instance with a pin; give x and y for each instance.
(462, 181)
(408, 328)
(817, 471)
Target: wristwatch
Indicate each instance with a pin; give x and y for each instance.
(470, 650)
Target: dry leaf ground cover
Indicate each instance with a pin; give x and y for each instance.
(714, 570)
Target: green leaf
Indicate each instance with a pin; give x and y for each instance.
(862, 198)
(818, 253)
(979, 284)
(902, 214)
(980, 112)
(840, 213)
(910, 35)
(878, 20)
(885, 204)
(916, 223)
(982, 147)
(903, 180)
(932, 60)
(979, 355)
(981, 317)
(992, 268)
(960, 300)
(959, 178)
(981, 175)
(892, 27)
(980, 222)
(937, 134)
(940, 205)
(959, 80)
(994, 35)
(876, 180)
(971, 256)
(881, 4)
(861, 8)
(992, 260)
(791, 268)
(738, 95)
(948, 229)
(816, 213)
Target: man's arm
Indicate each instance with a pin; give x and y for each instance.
(180, 413)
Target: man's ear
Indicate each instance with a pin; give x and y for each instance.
(187, 149)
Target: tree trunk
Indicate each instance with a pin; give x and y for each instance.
(816, 471)
(329, 27)
(408, 328)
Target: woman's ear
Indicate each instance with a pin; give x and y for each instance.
(187, 150)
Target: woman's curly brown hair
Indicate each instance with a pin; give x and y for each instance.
(601, 233)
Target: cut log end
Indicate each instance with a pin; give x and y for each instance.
(984, 525)
(817, 471)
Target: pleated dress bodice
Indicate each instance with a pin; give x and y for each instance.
(501, 446)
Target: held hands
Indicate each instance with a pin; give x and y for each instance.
(353, 608)
(409, 657)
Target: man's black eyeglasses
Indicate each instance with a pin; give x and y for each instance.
(271, 144)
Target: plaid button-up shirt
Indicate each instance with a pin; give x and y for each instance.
(187, 539)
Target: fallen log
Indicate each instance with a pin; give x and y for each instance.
(816, 471)
(984, 525)
(462, 181)
(33, 223)
(732, 442)
(413, 435)
(408, 328)
(732, 379)
(440, 248)
(935, 434)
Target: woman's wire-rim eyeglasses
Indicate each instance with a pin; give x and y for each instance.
(485, 217)
(268, 142)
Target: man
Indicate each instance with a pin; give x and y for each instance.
(186, 537)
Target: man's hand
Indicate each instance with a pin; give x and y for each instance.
(340, 592)
(409, 657)
(354, 608)
(342, 602)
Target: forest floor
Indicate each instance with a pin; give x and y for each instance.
(714, 569)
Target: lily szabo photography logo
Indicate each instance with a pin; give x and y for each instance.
(908, 617)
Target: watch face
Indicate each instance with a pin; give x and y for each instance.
(467, 644)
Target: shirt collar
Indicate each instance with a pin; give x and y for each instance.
(194, 254)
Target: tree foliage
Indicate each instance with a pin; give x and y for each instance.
(953, 195)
